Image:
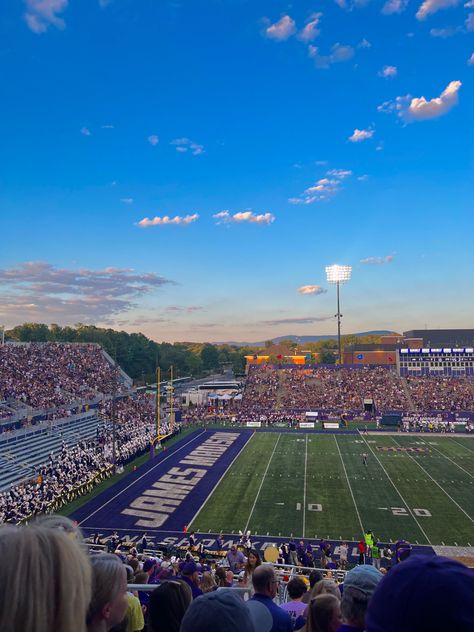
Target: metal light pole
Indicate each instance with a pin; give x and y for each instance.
(337, 275)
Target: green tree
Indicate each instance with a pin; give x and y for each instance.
(326, 356)
(210, 357)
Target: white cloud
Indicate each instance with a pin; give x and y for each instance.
(107, 126)
(377, 261)
(281, 30)
(311, 289)
(127, 200)
(85, 131)
(419, 108)
(358, 135)
(225, 217)
(470, 61)
(469, 23)
(394, 6)
(324, 188)
(40, 14)
(363, 178)
(311, 31)
(388, 71)
(183, 145)
(339, 53)
(153, 139)
(470, 4)
(305, 320)
(445, 32)
(364, 44)
(39, 291)
(177, 220)
(339, 173)
(429, 7)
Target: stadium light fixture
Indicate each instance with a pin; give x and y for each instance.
(337, 275)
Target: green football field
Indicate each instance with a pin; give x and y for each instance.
(313, 485)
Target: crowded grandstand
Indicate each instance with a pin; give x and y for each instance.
(71, 419)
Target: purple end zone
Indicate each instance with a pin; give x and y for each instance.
(135, 493)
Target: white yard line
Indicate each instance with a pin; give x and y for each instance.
(219, 481)
(140, 477)
(462, 444)
(261, 483)
(435, 481)
(304, 486)
(449, 459)
(397, 490)
(350, 488)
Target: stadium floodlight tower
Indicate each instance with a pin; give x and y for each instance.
(337, 275)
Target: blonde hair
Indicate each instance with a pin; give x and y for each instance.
(55, 521)
(108, 573)
(325, 587)
(207, 583)
(45, 579)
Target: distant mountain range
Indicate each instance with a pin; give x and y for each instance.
(301, 340)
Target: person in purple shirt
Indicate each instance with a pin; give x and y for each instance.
(235, 559)
(295, 607)
(265, 584)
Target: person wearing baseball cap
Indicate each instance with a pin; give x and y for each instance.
(224, 611)
(190, 575)
(424, 594)
(359, 585)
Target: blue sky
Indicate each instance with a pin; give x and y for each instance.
(188, 169)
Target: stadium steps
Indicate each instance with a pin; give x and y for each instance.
(22, 458)
(411, 403)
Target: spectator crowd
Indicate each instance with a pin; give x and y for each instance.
(50, 583)
(76, 469)
(273, 392)
(54, 375)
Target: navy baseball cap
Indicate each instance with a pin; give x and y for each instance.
(423, 594)
(189, 568)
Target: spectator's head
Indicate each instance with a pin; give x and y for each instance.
(141, 578)
(324, 614)
(253, 560)
(220, 576)
(45, 579)
(296, 588)
(264, 581)
(314, 576)
(207, 583)
(53, 521)
(224, 611)
(109, 593)
(229, 577)
(168, 604)
(359, 585)
(149, 566)
(424, 594)
(190, 570)
(326, 587)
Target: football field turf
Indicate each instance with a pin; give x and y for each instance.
(420, 488)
